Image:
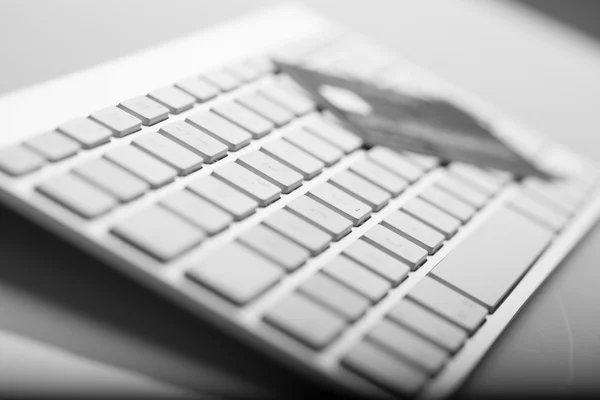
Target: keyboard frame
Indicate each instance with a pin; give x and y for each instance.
(87, 91)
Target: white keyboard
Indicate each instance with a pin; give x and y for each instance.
(227, 190)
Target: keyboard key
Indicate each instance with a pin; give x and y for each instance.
(428, 325)
(169, 152)
(335, 135)
(222, 79)
(379, 176)
(377, 261)
(174, 99)
(357, 277)
(300, 231)
(53, 146)
(87, 132)
(296, 103)
(251, 184)
(142, 165)
(365, 191)
(341, 202)
(464, 191)
(77, 195)
(224, 196)
(409, 346)
(315, 146)
(432, 216)
(483, 180)
(265, 107)
(118, 121)
(288, 154)
(244, 71)
(449, 304)
(445, 201)
(379, 366)
(195, 140)
(424, 161)
(112, 179)
(490, 261)
(201, 90)
(236, 273)
(396, 246)
(149, 111)
(539, 212)
(326, 219)
(272, 170)
(275, 247)
(335, 296)
(414, 230)
(198, 211)
(159, 233)
(18, 160)
(224, 131)
(396, 162)
(306, 321)
(262, 64)
(244, 118)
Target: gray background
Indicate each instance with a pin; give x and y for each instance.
(58, 295)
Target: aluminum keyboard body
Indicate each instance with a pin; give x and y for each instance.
(304, 221)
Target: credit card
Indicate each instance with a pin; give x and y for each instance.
(406, 116)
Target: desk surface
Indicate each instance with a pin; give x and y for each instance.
(525, 65)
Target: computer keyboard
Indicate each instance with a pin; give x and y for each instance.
(232, 193)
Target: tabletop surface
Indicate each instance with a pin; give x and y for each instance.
(536, 71)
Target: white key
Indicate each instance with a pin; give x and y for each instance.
(414, 230)
(428, 325)
(326, 219)
(396, 246)
(488, 182)
(195, 140)
(396, 162)
(244, 71)
(198, 211)
(462, 190)
(87, 132)
(224, 196)
(377, 261)
(272, 170)
(539, 211)
(77, 195)
(236, 272)
(19, 160)
(159, 233)
(222, 79)
(296, 103)
(290, 155)
(379, 176)
(308, 236)
(148, 111)
(275, 247)
(315, 146)
(448, 203)
(172, 154)
(341, 202)
(224, 131)
(142, 165)
(432, 216)
(265, 107)
(53, 146)
(248, 182)
(174, 99)
(362, 189)
(121, 123)
(424, 161)
(112, 179)
(357, 277)
(252, 122)
(201, 90)
(335, 135)
(448, 303)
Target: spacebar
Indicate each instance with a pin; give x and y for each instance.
(494, 257)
